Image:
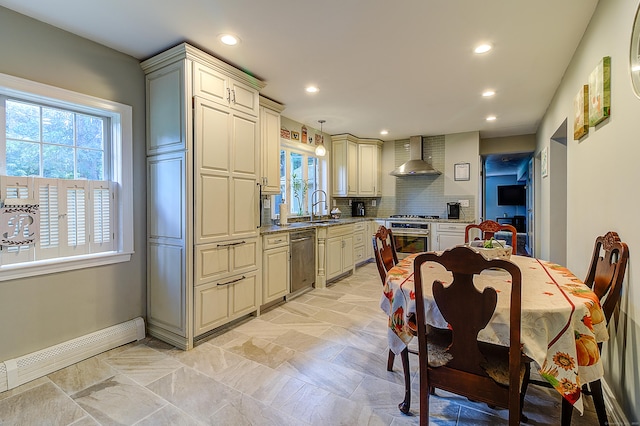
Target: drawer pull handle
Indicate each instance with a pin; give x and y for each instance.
(233, 281)
(231, 244)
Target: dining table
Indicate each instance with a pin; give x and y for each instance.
(562, 320)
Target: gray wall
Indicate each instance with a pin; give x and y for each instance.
(601, 173)
(42, 311)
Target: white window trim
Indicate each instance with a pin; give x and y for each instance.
(122, 175)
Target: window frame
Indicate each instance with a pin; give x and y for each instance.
(120, 161)
(322, 181)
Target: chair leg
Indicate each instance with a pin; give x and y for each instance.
(390, 360)
(523, 391)
(567, 411)
(405, 405)
(598, 402)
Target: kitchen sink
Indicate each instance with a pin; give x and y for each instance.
(326, 221)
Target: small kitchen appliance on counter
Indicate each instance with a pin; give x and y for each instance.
(357, 209)
(453, 210)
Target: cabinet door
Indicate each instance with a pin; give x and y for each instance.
(339, 165)
(275, 282)
(367, 170)
(270, 143)
(449, 240)
(244, 298)
(347, 253)
(244, 98)
(334, 257)
(211, 84)
(352, 168)
(212, 307)
(166, 115)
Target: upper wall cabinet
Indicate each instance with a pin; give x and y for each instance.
(357, 165)
(270, 145)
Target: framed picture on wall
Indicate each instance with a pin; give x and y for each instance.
(581, 111)
(600, 92)
(462, 171)
(544, 162)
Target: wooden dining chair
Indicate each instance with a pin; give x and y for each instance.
(488, 228)
(480, 371)
(605, 276)
(384, 250)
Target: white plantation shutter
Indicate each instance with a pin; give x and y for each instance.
(102, 203)
(13, 187)
(75, 194)
(48, 198)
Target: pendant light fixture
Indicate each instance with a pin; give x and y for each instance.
(321, 151)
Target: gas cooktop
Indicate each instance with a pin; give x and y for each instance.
(413, 216)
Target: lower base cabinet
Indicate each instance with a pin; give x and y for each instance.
(339, 250)
(448, 235)
(275, 266)
(217, 303)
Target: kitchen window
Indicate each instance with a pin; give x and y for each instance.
(66, 156)
(301, 173)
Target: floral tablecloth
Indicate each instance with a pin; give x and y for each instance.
(562, 320)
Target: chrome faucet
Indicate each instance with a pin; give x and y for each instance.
(313, 205)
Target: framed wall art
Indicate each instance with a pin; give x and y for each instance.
(600, 92)
(462, 171)
(544, 162)
(295, 136)
(581, 111)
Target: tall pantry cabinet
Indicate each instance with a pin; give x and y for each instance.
(203, 162)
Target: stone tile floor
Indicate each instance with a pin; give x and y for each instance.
(318, 359)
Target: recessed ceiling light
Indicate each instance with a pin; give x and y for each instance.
(384, 132)
(312, 89)
(483, 48)
(488, 93)
(229, 40)
(491, 118)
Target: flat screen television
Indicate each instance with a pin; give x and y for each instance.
(512, 195)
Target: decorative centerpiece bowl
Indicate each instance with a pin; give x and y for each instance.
(492, 249)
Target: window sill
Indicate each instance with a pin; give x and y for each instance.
(50, 266)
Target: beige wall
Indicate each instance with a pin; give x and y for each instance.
(42, 311)
(601, 173)
(508, 144)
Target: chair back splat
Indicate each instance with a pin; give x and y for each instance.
(384, 249)
(607, 270)
(488, 228)
(474, 366)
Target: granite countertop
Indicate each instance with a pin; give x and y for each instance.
(294, 226)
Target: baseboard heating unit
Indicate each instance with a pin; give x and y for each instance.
(17, 371)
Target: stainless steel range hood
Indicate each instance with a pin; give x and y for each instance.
(416, 166)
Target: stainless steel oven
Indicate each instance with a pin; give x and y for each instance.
(411, 234)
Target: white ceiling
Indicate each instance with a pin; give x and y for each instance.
(406, 66)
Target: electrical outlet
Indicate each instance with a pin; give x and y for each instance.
(334, 202)
(266, 204)
(349, 203)
(464, 203)
(373, 203)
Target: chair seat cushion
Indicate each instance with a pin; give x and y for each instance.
(438, 341)
(497, 363)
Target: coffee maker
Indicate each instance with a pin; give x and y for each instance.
(357, 209)
(453, 210)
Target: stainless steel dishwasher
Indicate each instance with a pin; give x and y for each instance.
(303, 261)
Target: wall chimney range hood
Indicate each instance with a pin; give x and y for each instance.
(416, 166)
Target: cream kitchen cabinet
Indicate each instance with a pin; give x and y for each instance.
(275, 266)
(203, 165)
(359, 231)
(270, 143)
(369, 169)
(447, 235)
(339, 250)
(356, 166)
(344, 159)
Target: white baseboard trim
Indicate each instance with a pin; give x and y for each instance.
(17, 371)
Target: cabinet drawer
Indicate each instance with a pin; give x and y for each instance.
(451, 227)
(219, 302)
(218, 260)
(358, 238)
(270, 241)
(334, 231)
(358, 254)
(359, 226)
